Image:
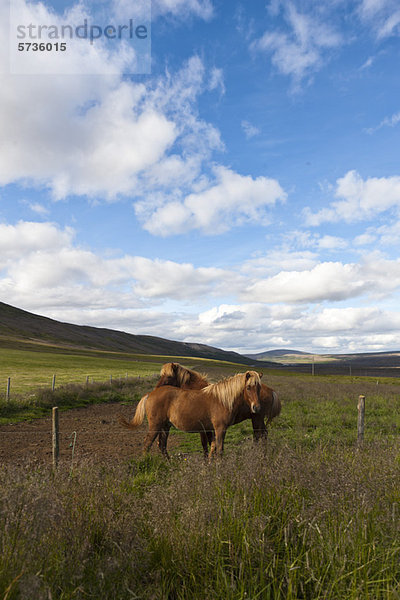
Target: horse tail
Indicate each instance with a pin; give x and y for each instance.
(138, 417)
(275, 408)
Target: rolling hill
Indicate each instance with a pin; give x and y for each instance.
(374, 364)
(25, 330)
(21, 327)
(277, 355)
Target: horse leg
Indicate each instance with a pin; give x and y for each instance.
(149, 439)
(204, 436)
(163, 439)
(259, 428)
(217, 446)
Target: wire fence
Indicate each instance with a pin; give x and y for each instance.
(51, 384)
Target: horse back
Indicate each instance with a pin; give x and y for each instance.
(195, 410)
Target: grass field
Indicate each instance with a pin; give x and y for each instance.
(309, 515)
(32, 369)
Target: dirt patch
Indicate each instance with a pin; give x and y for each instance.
(98, 436)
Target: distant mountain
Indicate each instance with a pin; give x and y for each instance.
(276, 354)
(376, 364)
(20, 325)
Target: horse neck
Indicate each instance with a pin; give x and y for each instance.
(196, 381)
(229, 392)
(200, 382)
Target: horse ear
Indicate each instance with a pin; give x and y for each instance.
(260, 375)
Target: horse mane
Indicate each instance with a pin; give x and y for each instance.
(227, 390)
(184, 375)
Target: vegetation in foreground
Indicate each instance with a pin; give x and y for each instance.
(306, 516)
(282, 521)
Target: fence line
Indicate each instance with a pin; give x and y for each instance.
(360, 419)
(55, 437)
(53, 382)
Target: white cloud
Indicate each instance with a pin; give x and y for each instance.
(365, 239)
(44, 270)
(386, 122)
(32, 22)
(328, 281)
(183, 8)
(181, 281)
(256, 327)
(41, 261)
(384, 235)
(228, 201)
(30, 237)
(281, 259)
(368, 63)
(382, 15)
(95, 135)
(306, 239)
(38, 208)
(102, 136)
(360, 199)
(179, 10)
(217, 80)
(303, 49)
(249, 129)
(331, 242)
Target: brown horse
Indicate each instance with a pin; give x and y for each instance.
(179, 376)
(211, 409)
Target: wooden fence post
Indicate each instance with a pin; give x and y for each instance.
(360, 420)
(53, 383)
(56, 447)
(8, 389)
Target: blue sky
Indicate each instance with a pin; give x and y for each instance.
(244, 194)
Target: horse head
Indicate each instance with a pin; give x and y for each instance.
(174, 374)
(252, 390)
(168, 375)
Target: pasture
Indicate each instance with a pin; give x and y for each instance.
(306, 515)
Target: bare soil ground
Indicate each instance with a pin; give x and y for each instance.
(98, 436)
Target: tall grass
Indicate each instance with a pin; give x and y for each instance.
(281, 522)
(306, 516)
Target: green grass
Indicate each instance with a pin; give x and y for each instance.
(112, 376)
(287, 522)
(322, 409)
(306, 516)
(29, 370)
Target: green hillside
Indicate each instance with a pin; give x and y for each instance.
(25, 330)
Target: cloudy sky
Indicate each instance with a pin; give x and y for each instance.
(245, 193)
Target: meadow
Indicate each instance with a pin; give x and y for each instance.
(306, 515)
(30, 370)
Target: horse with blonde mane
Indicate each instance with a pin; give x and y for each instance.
(179, 376)
(210, 409)
(175, 374)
